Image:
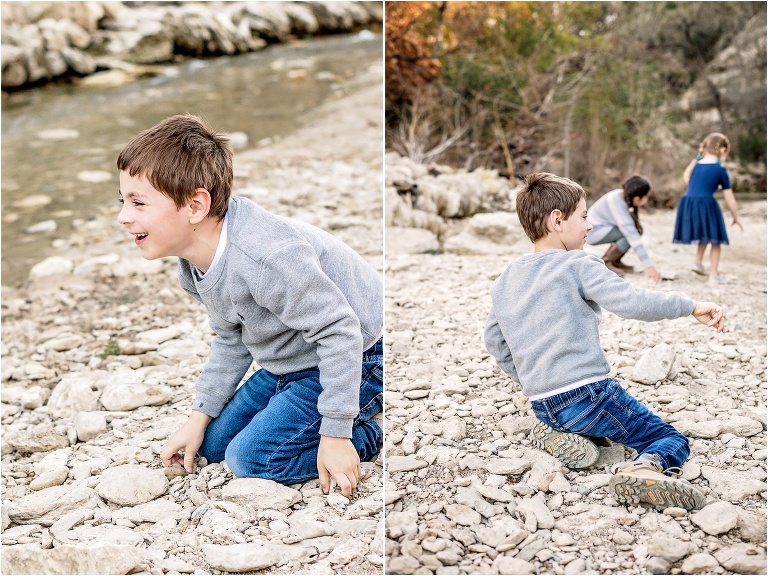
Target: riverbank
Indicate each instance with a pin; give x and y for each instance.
(467, 493)
(100, 353)
(112, 43)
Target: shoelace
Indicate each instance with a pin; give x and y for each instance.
(674, 472)
(636, 464)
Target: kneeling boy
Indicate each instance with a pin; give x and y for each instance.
(543, 332)
(295, 299)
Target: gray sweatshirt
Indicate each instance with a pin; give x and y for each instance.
(291, 297)
(546, 307)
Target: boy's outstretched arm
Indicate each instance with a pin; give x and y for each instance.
(337, 458)
(710, 314)
(187, 438)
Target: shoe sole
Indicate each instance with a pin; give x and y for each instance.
(571, 449)
(631, 489)
(699, 272)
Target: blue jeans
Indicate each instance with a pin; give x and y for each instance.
(605, 409)
(271, 427)
(614, 235)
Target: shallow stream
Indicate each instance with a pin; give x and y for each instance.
(60, 142)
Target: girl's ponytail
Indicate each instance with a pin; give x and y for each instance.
(635, 187)
(713, 142)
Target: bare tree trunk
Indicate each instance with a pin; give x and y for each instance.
(439, 28)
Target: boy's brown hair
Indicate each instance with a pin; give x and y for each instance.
(541, 194)
(180, 154)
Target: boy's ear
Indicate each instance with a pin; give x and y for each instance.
(555, 220)
(199, 205)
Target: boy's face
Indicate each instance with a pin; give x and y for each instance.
(158, 227)
(576, 228)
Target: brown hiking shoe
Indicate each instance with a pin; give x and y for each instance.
(571, 449)
(643, 481)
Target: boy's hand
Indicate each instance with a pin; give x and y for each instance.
(337, 457)
(709, 314)
(188, 438)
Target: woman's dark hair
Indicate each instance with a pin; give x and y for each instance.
(635, 187)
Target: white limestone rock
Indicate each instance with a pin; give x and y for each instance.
(654, 365)
(260, 494)
(405, 464)
(52, 461)
(716, 518)
(89, 425)
(55, 477)
(97, 558)
(131, 484)
(48, 505)
(732, 485)
(71, 395)
(53, 266)
(742, 558)
(131, 396)
(240, 557)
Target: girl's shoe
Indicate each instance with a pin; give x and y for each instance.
(699, 269)
(571, 449)
(643, 481)
(714, 280)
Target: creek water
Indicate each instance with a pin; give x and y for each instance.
(266, 94)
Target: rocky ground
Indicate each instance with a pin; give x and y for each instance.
(466, 493)
(100, 351)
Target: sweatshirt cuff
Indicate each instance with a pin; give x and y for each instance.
(210, 404)
(337, 427)
(687, 306)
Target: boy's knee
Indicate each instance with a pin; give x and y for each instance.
(247, 461)
(210, 453)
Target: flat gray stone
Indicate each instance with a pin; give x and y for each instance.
(130, 396)
(742, 558)
(463, 515)
(260, 494)
(654, 365)
(240, 557)
(131, 484)
(48, 505)
(99, 558)
(404, 463)
(507, 565)
(506, 466)
(55, 477)
(700, 563)
(732, 485)
(716, 518)
(669, 549)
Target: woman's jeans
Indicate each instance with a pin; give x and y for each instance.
(613, 235)
(605, 409)
(271, 427)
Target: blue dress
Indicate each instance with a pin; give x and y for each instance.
(699, 217)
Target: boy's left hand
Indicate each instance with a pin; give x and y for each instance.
(337, 458)
(709, 314)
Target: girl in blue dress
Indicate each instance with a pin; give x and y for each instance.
(699, 217)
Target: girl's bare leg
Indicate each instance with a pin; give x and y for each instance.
(700, 253)
(714, 260)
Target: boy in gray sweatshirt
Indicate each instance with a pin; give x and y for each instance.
(298, 301)
(543, 331)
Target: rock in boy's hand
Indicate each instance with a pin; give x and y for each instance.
(709, 314)
(337, 458)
